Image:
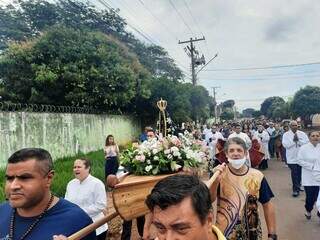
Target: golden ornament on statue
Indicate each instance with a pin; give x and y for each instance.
(162, 104)
(162, 127)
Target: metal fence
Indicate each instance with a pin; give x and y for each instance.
(23, 107)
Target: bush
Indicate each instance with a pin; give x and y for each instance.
(63, 172)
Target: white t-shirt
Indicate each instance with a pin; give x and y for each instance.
(91, 196)
(308, 155)
(292, 148)
(214, 139)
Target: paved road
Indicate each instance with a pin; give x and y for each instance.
(291, 223)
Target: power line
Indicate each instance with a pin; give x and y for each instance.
(140, 32)
(260, 68)
(136, 29)
(305, 72)
(302, 77)
(153, 41)
(251, 100)
(164, 26)
(158, 20)
(183, 20)
(197, 25)
(181, 17)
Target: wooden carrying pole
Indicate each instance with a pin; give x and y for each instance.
(128, 199)
(212, 179)
(93, 226)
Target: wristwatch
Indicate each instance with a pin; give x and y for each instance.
(272, 236)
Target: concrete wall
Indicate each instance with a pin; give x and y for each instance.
(62, 134)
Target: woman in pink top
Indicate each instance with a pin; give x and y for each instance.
(111, 151)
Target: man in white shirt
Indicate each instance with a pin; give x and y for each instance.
(263, 138)
(271, 144)
(292, 141)
(88, 193)
(243, 136)
(214, 136)
(206, 133)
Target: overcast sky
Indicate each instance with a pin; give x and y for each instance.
(244, 33)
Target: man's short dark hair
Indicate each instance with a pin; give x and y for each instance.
(174, 189)
(40, 155)
(150, 130)
(86, 162)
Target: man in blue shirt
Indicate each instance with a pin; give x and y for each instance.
(144, 136)
(32, 211)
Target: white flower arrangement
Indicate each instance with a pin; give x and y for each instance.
(166, 155)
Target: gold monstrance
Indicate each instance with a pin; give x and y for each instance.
(162, 104)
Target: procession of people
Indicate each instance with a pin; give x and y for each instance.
(181, 206)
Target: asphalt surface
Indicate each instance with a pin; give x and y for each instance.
(291, 222)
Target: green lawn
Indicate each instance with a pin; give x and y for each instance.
(63, 172)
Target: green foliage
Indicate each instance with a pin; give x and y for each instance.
(228, 104)
(32, 17)
(281, 111)
(227, 114)
(71, 67)
(13, 26)
(63, 172)
(185, 101)
(256, 114)
(269, 104)
(158, 62)
(306, 101)
(248, 112)
(70, 53)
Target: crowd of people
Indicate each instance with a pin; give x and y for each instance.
(284, 142)
(181, 206)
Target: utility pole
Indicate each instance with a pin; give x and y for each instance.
(214, 92)
(195, 59)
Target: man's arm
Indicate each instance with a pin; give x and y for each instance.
(270, 217)
(287, 141)
(303, 161)
(304, 139)
(214, 182)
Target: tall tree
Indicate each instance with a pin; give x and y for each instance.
(228, 104)
(31, 17)
(227, 114)
(248, 112)
(306, 101)
(72, 67)
(269, 104)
